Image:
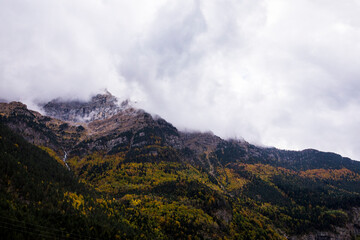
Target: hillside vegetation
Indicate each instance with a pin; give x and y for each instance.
(136, 177)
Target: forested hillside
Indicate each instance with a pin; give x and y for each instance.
(135, 176)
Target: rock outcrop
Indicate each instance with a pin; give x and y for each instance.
(278, 180)
(101, 106)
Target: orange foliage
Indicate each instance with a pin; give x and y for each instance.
(330, 174)
(265, 171)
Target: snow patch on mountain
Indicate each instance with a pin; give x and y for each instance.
(101, 106)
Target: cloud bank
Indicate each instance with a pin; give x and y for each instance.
(277, 73)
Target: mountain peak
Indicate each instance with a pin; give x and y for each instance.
(13, 108)
(130, 158)
(100, 106)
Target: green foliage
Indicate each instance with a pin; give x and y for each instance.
(37, 197)
(247, 224)
(148, 191)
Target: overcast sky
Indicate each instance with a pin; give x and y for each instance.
(283, 73)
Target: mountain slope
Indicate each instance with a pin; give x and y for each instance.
(40, 199)
(194, 185)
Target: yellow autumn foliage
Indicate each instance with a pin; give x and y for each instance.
(76, 200)
(330, 174)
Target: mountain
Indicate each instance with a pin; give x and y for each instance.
(135, 176)
(100, 107)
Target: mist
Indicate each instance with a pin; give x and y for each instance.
(276, 73)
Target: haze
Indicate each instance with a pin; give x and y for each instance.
(276, 73)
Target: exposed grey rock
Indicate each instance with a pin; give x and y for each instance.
(100, 107)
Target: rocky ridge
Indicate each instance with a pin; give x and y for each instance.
(103, 124)
(76, 130)
(101, 106)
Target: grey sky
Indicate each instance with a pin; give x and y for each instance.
(281, 73)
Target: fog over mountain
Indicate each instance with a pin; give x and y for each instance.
(278, 73)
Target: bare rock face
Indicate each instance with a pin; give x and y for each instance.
(108, 126)
(200, 142)
(101, 106)
(105, 128)
(39, 129)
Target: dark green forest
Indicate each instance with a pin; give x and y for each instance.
(107, 197)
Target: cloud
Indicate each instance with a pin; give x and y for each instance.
(278, 73)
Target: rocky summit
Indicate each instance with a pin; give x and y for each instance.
(103, 169)
(101, 106)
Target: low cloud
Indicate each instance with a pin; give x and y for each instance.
(278, 73)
